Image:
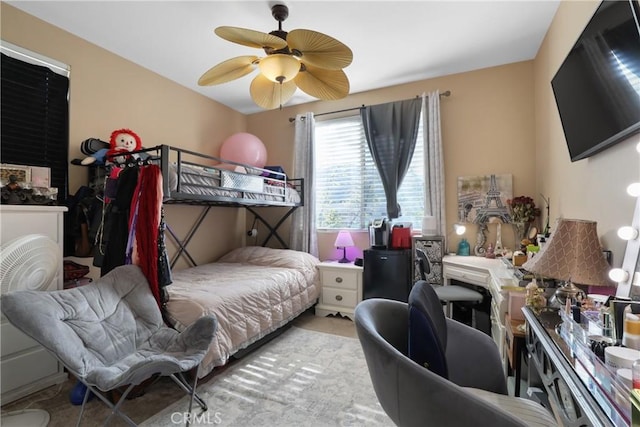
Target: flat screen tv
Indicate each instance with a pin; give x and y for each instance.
(597, 87)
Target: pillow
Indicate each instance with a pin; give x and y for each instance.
(283, 258)
(425, 346)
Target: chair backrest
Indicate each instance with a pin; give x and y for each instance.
(410, 394)
(427, 329)
(91, 325)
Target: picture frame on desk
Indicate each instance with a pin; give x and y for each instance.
(21, 172)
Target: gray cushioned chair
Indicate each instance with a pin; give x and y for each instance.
(448, 294)
(412, 395)
(110, 334)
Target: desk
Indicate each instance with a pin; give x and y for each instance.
(491, 274)
(581, 391)
(515, 344)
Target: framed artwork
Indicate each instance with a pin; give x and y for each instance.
(40, 176)
(483, 198)
(23, 173)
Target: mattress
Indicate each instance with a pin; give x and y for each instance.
(252, 291)
(206, 181)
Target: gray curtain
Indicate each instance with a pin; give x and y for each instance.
(433, 161)
(303, 223)
(391, 130)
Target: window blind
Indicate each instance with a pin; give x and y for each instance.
(349, 193)
(35, 119)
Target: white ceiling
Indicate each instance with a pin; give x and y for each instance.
(393, 42)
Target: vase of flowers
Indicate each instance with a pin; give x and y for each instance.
(523, 211)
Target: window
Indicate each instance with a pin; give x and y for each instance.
(349, 193)
(35, 113)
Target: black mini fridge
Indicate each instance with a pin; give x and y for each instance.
(387, 274)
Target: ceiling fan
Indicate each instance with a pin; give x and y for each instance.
(302, 59)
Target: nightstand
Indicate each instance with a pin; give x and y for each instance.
(340, 288)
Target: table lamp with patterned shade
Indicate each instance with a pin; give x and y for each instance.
(572, 254)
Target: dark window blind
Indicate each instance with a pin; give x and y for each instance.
(35, 119)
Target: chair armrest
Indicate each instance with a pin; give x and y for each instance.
(473, 359)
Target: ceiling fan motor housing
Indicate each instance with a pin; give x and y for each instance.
(299, 59)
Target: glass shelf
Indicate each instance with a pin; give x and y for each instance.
(602, 381)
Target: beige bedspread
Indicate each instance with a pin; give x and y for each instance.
(252, 291)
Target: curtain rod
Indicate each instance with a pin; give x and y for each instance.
(293, 119)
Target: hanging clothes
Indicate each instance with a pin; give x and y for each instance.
(144, 226)
(116, 227)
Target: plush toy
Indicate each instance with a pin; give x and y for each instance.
(98, 157)
(95, 149)
(123, 141)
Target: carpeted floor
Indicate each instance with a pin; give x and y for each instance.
(161, 394)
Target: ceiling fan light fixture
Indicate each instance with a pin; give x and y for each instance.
(304, 59)
(279, 67)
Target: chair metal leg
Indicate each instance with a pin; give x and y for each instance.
(190, 389)
(178, 378)
(87, 393)
(115, 409)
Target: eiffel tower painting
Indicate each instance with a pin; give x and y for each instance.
(483, 198)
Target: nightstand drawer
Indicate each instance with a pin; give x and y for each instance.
(341, 297)
(340, 278)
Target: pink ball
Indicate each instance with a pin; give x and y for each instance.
(245, 148)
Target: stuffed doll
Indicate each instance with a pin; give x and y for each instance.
(123, 141)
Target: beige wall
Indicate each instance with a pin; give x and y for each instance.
(592, 188)
(487, 127)
(497, 120)
(108, 92)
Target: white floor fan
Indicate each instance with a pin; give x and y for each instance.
(29, 262)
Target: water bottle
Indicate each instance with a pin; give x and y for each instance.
(463, 247)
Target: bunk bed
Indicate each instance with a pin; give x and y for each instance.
(199, 179)
(253, 291)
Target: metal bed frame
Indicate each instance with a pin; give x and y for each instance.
(241, 185)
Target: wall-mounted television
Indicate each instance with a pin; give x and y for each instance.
(597, 87)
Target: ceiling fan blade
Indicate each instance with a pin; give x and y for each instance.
(228, 70)
(250, 38)
(270, 95)
(319, 49)
(323, 84)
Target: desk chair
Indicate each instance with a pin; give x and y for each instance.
(110, 334)
(448, 294)
(472, 392)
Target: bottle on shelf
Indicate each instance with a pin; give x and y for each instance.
(464, 248)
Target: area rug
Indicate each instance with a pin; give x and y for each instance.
(301, 378)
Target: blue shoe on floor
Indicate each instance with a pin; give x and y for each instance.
(77, 394)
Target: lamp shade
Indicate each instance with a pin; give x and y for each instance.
(573, 253)
(279, 67)
(343, 240)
